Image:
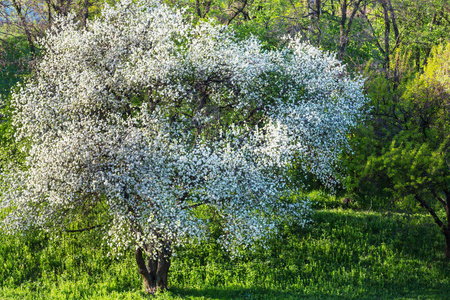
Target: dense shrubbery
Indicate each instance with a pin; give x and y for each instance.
(402, 151)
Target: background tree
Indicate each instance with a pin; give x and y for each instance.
(409, 139)
(28, 20)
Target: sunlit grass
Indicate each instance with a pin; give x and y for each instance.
(344, 254)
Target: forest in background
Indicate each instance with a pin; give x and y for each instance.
(400, 157)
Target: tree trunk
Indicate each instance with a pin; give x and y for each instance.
(154, 272)
(346, 25)
(387, 31)
(447, 243)
(23, 21)
(49, 13)
(343, 38)
(85, 13)
(446, 230)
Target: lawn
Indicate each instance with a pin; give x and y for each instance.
(344, 254)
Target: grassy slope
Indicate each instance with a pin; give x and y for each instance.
(345, 254)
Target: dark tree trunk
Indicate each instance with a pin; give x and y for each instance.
(62, 7)
(345, 25)
(447, 242)
(154, 272)
(315, 9)
(446, 230)
(197, 6)
(23, 21)
(444, 227)
(49, 13)
(85, 13)
(342, 37)
(387, 31)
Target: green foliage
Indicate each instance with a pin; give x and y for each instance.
(401, 151)
(438, 67)
(424, 26)
(14, 59)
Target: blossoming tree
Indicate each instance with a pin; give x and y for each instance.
(148, 119)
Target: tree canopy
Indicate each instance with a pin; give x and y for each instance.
(139, 119)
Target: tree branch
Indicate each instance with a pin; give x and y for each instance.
(431, 211)
(87, 228)
(439, 198)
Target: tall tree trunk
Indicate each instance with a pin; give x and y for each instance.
(387, 31)
(446, 231)
(315, 9)
(342, 36)
(447, 242)
(396, 77)
(154, 272)
(345, 25)
(85, 13)
(62, 7)
(49, 13)
(23, 21)
(444, 227)
(197, 6)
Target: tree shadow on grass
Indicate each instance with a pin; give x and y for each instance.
(413, 235)
(345, 255)
(245, 293)
(272, 294)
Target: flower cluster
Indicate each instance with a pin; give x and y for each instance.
(154, 119)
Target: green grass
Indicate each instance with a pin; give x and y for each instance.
(344, 254)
